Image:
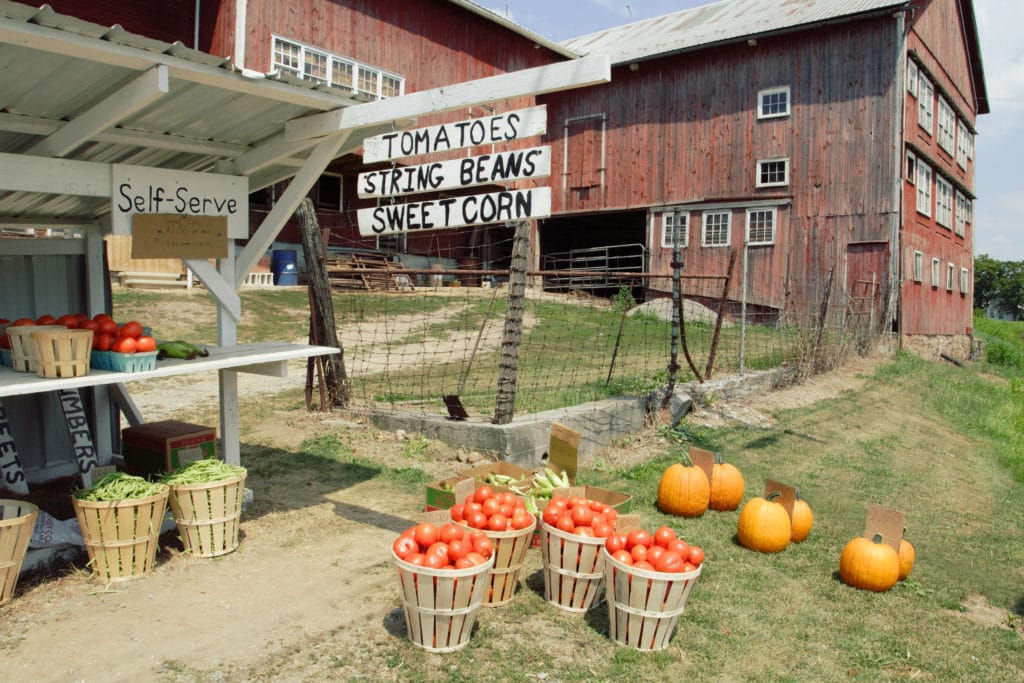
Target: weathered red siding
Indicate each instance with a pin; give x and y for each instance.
(169, 20)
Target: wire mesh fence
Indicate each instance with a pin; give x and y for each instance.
(424, 328)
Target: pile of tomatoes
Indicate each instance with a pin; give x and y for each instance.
(580, 516)
(662, 551)
(448, 546)
(491, 510)
(108, 335)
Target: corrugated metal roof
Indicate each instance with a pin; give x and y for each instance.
(721, 22)
(58, 70)
(493, 16)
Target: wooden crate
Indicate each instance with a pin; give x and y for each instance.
(573, 568)
(62, 353)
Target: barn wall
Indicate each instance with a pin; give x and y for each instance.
(167, 20)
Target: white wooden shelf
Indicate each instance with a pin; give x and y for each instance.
(267, 358)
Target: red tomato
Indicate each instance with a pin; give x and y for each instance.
(441, 550)
(638, 537)
(483, 546)
(483, 493)
(566, 524)
(107, 326)
(477, 520)
(425, 534)
(611, 514)
(598, 506)
(680, 546)
(582, 515)
(450, 532)
(584, 531)
(69, 321)
(521, 519)
(404, 546)
(464, 563)
(602, 529)
(688, 567)
(507, 509)
(654, 554)
(433, 561)
(101, 316)
(459, 549)
(663, 535)
(124, 345)
(642, 564)
(623, 556)
(696, 556)
(670, 561)
(472, 507)
(89, 325)
(639, 553)
(131, 329)
(559, 501)
(410, 532)
(418, 559)
(46, 320)
(145, 344)
(20, 322)
(457, 512)
(615, 542)
(82, 317)
(551, 514)
(507, 498)
(102, 342)
(498, 522)
(491, 506)
(476, 558)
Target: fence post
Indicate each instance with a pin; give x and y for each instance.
(743, 308)
(504, 406)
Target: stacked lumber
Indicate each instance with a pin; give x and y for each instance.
(365, 271)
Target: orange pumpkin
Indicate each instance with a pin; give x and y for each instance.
(869, 564)
(726, 486)
(907, 555)
(764, 525)
(803, 519)
(683, 490)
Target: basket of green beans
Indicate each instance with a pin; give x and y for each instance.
(206, 499)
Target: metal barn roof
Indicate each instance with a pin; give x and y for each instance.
(721, 22)
(81, 92)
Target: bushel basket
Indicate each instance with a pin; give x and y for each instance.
(509, 552)
(208, 515)
(121, 536)
(17, 520)
(573, 571)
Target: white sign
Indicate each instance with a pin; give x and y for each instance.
(486, 130)
(140, 189)
(487, 169)
(11, 475)
(453, 212)
(78, 428)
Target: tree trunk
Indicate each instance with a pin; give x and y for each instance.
(508, 366)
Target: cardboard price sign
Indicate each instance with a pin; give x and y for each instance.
(703, 459)
(177, 236)
(886, 522)
(787, 495)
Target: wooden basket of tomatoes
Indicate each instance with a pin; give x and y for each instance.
(503, 517)
(442, 574)
(572, 532)
(648, 578)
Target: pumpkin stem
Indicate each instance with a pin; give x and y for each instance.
(718, 458)
(877, 538)
(798, 493)
(773, 495)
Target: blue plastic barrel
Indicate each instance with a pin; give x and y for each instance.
(282, 265)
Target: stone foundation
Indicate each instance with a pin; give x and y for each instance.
(960, 347)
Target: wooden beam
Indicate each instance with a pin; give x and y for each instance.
(141, 92)
(22, 173)
(298, 188)
(221, 290)
(536, 81)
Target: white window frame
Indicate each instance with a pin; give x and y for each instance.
(705, 233)
(946, 133)
(766, 98)
(935, 273)
(964, 280)
(912, 77)
(950, 274)
(924, 188)
(943, 202)
(762, 163)
(926, 104)
(960, 218)
(918, 266)
(671, 221)
(911, 167)
(304, 61)
(962, 136)
(773, 217)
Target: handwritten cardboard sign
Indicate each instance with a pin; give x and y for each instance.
(163, 235)
(703, 459)
(787, 497)
(888, 523)
(463, 489)
(563, 450)
(437, 517)
(626, 523)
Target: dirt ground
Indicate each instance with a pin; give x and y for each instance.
(310, 564)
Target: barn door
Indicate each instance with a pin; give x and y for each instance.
(867, 285)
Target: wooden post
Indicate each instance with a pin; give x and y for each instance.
(335, 376)
(721, 314)
(508, 366)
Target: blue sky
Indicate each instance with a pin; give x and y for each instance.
(999, 210)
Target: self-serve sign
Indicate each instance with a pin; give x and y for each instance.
(440, 176)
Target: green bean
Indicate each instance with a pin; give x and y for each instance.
(120, 486)
(203, 472)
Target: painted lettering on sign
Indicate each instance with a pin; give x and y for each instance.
(12, 476)
(486, 130)
(452, 212)
(486, 169)
(78, 428)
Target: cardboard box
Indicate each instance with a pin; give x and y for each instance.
(441, 496)
(622, 502)
(160, 447)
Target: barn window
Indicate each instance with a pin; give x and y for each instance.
(964, 280)
(961, 213)
(772, 172)
(911, 167)
(672, 223)
(935, 272)
(773, 103)
(716, 229)
(947, 125)
(918, 266)
(912, 78)
(950, 270)
(395, 242)
(926, 105)
(963, 138)
(943, 203)
(320, 66)
(584, 145)
(760, 226)
(326, 194)
(924, 188)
